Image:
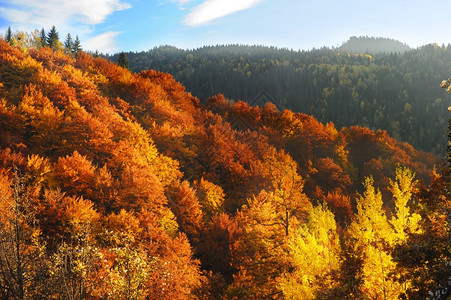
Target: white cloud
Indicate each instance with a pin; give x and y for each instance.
(210, 10)
(88, 11)
(76, 16)
(15, 15)
(105, 43)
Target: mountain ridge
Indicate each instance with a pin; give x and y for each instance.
(372, 45)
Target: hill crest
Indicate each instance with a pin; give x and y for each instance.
(373, 45)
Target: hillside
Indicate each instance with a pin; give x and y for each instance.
(123, 185)
(373, 45)
(396, 92)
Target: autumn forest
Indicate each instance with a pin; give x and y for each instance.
(122, 185)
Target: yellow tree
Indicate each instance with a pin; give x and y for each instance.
(373, 233)
(267, 220)
(402, 188)
(211, 197)
(126, 266)
(314, 250)
(282, 181)
(261, 254)
(423, 259)
(74, 259)
(404, 222)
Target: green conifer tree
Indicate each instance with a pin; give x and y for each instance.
(123, 60)
(9, 35)
(76, 46)
(43, 38)
(68, 44)
(53, 38)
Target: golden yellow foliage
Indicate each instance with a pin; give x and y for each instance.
(314, 251)
(402, 189)
(372, 232)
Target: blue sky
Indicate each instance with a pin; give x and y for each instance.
(110, 26)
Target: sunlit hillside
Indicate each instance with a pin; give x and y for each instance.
(122, 185)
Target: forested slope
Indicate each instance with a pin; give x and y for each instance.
(396, 92)
(122, 185)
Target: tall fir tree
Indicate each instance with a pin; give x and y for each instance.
(43, 38)
(53, 38)
(76, 46)
(9, 35)
(68, 44)
(123, 60)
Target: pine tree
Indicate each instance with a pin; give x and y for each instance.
(76, 46)
(9, 35)
(43, 38)
(53, 38)
(123, 60)
(68, 44)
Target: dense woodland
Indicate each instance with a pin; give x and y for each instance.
(121, 185)
(393, 90)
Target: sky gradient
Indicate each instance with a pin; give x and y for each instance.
(111, 26)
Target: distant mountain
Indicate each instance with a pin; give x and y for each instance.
(374, 45)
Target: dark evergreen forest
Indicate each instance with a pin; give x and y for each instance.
(397, 91)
